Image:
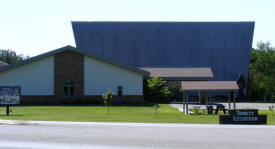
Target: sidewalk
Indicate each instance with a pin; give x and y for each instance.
(127, 124)
(260, 106)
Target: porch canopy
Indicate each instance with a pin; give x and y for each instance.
(208, 86)
(181, 73)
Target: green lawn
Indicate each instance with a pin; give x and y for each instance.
(166, 114)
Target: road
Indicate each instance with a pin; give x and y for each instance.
(47, 135)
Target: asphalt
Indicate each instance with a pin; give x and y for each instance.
(46, 135)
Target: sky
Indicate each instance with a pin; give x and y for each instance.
(33, 27)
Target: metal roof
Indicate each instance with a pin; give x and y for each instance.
(209, 86)
(70, 48)
(181, 74)
(225, 47)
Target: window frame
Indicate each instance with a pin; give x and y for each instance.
(69, 84)
(120, 91)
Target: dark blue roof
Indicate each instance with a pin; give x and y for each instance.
(223, 46)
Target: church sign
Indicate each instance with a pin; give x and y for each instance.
(10, 95)
(243, 116)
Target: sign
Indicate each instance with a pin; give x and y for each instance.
(10, 95)
(241, 116)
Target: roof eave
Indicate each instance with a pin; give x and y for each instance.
(185, 78)
(70, 48)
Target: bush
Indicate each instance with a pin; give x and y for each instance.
(107, 97)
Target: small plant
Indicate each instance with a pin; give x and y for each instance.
(107, 97)
(271, 108)
(156, 106)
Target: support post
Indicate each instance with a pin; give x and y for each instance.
(209, 98)
(8, 110)
(206, 102)
(183, 102)
(186, 108)
(234, 100)
(229, 104)
(200, 97)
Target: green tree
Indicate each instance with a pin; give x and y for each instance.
(262, 72)
(156, 89)
(175, 88)
(11, 57)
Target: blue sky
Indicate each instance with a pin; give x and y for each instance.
(32, 27)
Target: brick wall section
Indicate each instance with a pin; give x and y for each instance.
(68, 65)
(95, 99)
(37, 100)
(127, 99)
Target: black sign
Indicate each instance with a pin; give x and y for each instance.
(240, 116)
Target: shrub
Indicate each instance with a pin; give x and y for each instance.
(107, 97)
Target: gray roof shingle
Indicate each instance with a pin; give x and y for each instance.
(181, 73)
(209, 86)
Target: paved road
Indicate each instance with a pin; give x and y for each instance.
(44, 135)
(260, 106)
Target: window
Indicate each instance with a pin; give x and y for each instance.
(68, 89)
(120, 91)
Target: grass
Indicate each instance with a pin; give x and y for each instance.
(166, 114)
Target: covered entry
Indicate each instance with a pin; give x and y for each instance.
(209, 86)
(178, 74)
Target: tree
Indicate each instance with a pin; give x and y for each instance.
(175, 88)
(107, 97)
(10, 57)
(262, 72)
(156, 89)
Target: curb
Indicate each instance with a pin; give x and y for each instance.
(13, 122)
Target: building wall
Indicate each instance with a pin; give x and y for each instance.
(36, 78)
(100, 76)
(68, 66)
(42, 81)
(225, 47)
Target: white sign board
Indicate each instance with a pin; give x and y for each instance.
(10, 95)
